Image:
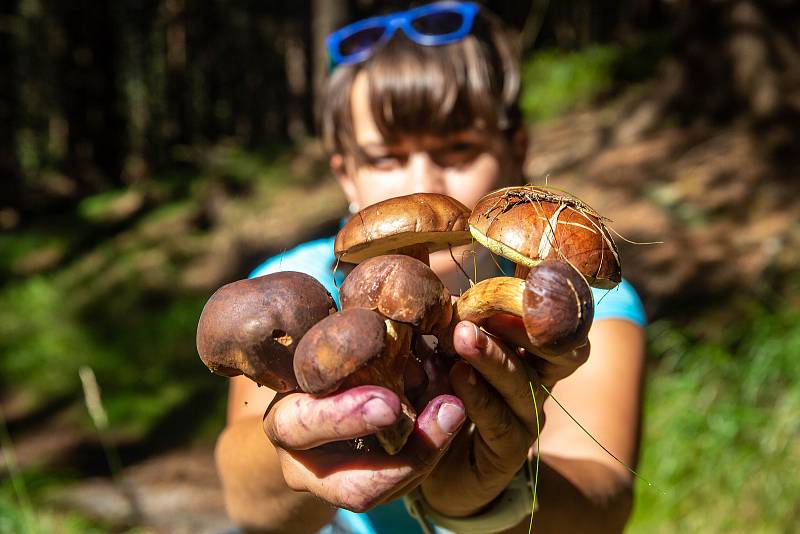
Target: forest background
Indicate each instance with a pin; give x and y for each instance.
(153, 150)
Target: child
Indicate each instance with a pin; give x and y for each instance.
(426, 101)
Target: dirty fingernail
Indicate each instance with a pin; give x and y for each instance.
(450, 417)
(481, 341)
(377, 413)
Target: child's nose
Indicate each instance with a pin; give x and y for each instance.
(425, 175)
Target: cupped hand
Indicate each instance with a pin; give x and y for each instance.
(313, 439)
(495, 384)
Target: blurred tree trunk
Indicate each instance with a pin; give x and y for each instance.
(297, 85)
(178, 124)
(10, 179)
(738, 57)
(738, 60)
(89, 96)
(326, 16)
(134, 38)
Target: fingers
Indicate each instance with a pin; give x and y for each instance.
(436, 371)
(555, 369)
(300, 421)
(501, 368)
(415, 379)
(510, 328)
(436, 426)
(512, 331)
(356, 487)
(359, 482)
(504, 439)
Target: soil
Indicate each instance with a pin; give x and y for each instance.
(177, 492)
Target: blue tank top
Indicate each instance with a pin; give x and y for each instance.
(316, 259)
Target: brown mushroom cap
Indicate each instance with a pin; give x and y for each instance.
(438, 221)
(558, 307)
(252, 327)
(529, 224)
(358, 347)
(400, 288)
(337, 347)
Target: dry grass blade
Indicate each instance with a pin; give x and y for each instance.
(94, 405)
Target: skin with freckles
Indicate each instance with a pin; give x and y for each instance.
(460, 467)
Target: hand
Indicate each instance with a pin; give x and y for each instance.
(310, 435)
(495, 385)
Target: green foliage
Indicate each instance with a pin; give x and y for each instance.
(143, 353)
(117, 309)
(556, 82)
(244, 167)
(41, 521)
(721, 429)
(27, 519)
(111, 205)
(17, 250)
(113, 299)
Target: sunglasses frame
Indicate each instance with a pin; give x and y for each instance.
(401, 20)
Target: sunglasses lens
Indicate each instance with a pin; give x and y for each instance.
(442, 23)
(360, 41)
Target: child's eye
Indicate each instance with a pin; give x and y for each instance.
(462, 147)
(456, 154)
(384, 161)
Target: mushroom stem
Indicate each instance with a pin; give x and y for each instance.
(398, 349)
(419, 251)
(521, 271)
(492, 296)
(554, 302)
(358, 347)
(388, 371)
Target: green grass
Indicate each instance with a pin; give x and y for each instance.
(13, 521)
(16, 518)
(722, 420)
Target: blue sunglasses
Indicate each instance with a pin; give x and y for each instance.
(435, 24)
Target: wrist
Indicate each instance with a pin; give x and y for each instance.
(465, 502)
(512, 506)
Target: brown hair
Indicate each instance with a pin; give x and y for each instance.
(414, 89)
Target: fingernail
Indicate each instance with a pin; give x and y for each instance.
(481, 341)
(450, 417)
(377, 413)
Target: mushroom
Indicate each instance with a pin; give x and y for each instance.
(554, 302)
(400, 288)
(352, 348)
(529, 224)
(415, 225)
(560, 246)
(412, 300)
(252, 327)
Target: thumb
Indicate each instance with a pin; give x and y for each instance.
(436, 427)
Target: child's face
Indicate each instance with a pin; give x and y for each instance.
(465, 165)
